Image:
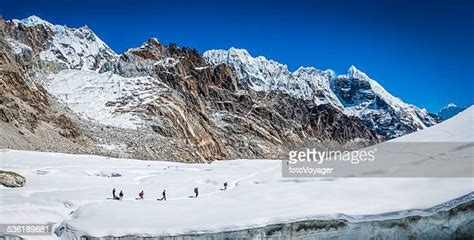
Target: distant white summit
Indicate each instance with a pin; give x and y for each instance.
(449, 111)
(355, 93)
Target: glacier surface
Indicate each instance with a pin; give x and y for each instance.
(70, 190)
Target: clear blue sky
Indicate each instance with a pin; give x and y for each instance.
(421, 51)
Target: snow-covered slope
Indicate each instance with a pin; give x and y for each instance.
(459, 128)
(74, 48)
(445, 149)
(106, 98)
(354, 93)
(257, 194)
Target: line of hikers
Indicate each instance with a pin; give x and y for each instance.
(115, 197)
(141, 195)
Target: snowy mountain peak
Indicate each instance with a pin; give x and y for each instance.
(329, 73)
(32, 21)
(71, 48)
(307, 69)
(238, 54)
(353, 72)
(239, 51)
(352, 69)
(355, 93)
(365, 98)
(151, 43)
(242, 54)
(151, 49)
(450, 105)
(259, 73)
(449, 111)
(154, 40)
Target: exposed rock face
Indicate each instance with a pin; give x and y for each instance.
(15, 86)
(387, 115)
(28, 119)
(355, 93)
(208, 108)
(163, 102)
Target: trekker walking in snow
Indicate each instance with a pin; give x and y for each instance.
(113, 194)
(141, 194)
(196, 191)
(163, 196)
(225, 186)
(120, 195)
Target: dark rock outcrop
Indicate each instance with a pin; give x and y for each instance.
(222, 118)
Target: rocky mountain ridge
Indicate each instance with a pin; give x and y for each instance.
(354, 93)
(172, 103)
(29, 117)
